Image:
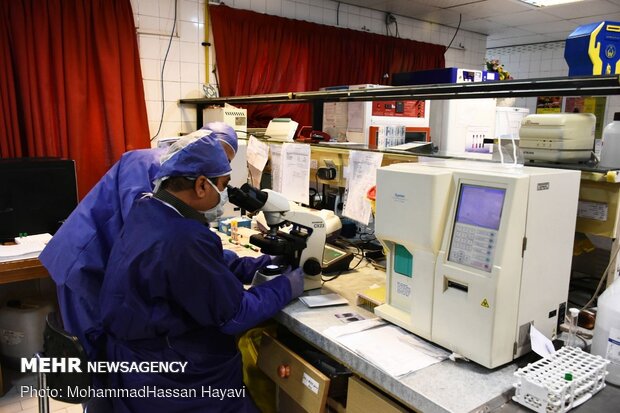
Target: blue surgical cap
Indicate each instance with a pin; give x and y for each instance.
(224, 133)
(194, 157)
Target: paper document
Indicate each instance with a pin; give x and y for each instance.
(276, 167)
(362, 175)
(540, 344)
(355, 113)
(387, 347)
(25, 247)
(336, 331)
(323, 300)
(257, 155)
(295, 172)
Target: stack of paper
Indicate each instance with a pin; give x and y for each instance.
(323, 300)
(25, 247)
(386, 346)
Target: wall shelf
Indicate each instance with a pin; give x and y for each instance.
(553, 86)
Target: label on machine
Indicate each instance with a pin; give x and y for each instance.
(399, 108)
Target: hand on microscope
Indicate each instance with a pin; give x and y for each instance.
(296, 278)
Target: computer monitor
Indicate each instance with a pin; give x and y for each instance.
(36, 195)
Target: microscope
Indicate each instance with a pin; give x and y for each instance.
(303, 245)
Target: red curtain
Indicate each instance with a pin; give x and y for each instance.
(70, 83)
(258, 53)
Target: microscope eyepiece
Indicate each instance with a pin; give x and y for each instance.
(247, 197)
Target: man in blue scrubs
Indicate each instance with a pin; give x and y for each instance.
(169, 295)
(77, 255)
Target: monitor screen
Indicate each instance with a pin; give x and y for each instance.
(331, 254)
(480, 206)
(36, 195)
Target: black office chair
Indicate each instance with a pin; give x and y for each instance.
(58, 343)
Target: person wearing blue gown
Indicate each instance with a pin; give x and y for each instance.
(169, 295)
(77, 255)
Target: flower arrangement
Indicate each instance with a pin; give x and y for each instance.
(494, 65)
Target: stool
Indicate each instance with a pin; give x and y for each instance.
(58, 343)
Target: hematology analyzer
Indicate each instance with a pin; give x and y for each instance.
(476, 253)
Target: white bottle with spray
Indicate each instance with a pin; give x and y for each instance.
(606, 340)
(610, 152)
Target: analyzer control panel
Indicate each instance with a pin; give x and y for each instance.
(478, 216)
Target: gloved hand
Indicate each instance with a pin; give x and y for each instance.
(296, 278)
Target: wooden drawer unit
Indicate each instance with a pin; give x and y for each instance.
(297, 378)
(363, 398)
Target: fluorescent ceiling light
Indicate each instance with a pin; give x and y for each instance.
(545, 3)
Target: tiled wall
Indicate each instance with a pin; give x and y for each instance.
(538, 61)
(186, 65)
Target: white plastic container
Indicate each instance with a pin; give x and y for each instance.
(610, 151)
(606, 340)
(22, 323)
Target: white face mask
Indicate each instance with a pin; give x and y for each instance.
(217, 211)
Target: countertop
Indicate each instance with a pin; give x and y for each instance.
(447, 386)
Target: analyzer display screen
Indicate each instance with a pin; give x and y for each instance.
(480, 206)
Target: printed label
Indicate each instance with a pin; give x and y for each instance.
(613, 345)
(310, 383)
(11, 337)
(543, 186)
(403, 289)
(400, 198)
(592, 210)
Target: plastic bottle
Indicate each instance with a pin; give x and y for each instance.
(606, 340)
(610, 152)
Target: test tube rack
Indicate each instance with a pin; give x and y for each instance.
(561, 381)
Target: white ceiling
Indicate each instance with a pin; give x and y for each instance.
(506, 22)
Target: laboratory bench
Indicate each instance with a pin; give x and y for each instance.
(22, 270)
(446, 386)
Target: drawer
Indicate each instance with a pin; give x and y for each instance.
(297, 378)
(363, 398)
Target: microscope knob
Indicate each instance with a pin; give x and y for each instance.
(312, 266)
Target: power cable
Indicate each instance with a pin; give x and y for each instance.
(338, 15)
(163, 66)
(613, 253)
(455, 33)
